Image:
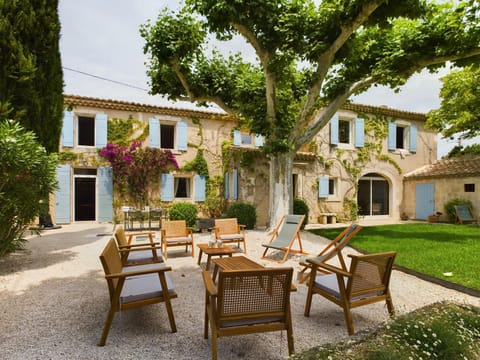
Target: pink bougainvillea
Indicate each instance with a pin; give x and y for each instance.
(137, 170)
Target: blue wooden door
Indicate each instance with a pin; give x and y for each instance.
(62, 195)
(425, 201)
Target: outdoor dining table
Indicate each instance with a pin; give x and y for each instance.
(237, 263)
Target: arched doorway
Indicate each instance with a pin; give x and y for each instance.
(373, 195)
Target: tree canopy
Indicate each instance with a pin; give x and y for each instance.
(311, 56)
(31, 79)
(459, 111)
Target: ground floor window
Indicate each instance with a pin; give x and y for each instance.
(373, 195)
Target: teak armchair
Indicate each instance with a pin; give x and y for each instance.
(135, 254)
(176, 233)
(366, 282)
(284, 235)
(248, 301)
(229, 231)
(134, 286)
(334, 248)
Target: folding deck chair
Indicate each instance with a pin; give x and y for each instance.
(284, 235)
(334, 248)
(463, 215)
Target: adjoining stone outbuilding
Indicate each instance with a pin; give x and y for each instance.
(427, 189)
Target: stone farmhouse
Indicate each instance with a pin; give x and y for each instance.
(360, 158)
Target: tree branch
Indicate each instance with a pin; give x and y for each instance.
(326, 59)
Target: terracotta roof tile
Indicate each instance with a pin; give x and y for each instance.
(461, 167)
(77, 100)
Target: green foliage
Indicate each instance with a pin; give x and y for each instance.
(459, 110)
(31, 77)
(449, 207)
(351, 209)
(121, 131)
(66, 156)
(27, 178)
(198, 164)
(431, 249)
(245, 213)
(183, 211)
(300, 207)
(460, 151)
(137, 170)
(443, 331)
(214, 205)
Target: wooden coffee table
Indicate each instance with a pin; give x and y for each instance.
(213, 251)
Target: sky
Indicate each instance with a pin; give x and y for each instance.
(102, 56)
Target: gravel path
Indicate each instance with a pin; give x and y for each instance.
(54, 300)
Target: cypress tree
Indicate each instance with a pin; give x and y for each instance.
(31, 78)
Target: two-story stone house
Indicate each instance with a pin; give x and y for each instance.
(359, 158)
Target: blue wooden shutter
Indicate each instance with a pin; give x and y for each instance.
(101, 130)
(199, 187)
(154, 132)
(67, 129)
(167, 187)
(359, 132)
(392, 136)
(413, 138)
(323, 186)
(182, 136)
(235, 184)
(105, 194)
(62, 195)
(334, 130)
(258, 140)
(226, 186)
(237, 137)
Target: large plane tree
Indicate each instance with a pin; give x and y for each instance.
(311, 57)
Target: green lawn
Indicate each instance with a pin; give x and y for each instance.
(432, 249)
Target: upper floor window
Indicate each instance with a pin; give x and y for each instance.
(168, 134)
(242, 138)
(347, 132)
(402, 137)
(84, 130)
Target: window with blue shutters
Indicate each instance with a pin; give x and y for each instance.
(100, 130)
(413, 138)
(105, 194)
(90, 130)
(359, 132)
(167, 187)
(226, 186)
(168, 135)
(200, 187)
(243, 138)
(334, 130)
(63, 195)
(235, 184)
(67, 129)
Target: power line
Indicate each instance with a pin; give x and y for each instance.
(105, 79)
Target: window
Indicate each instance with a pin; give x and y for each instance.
(86, 131)
(167, 136)
(344, 131)
(331, 186)
(400, 143)
(402, 137)
(246, 139)
(469, 187)
(182, 187)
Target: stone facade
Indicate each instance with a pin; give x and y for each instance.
(346, 156)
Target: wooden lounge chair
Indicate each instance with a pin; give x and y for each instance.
(176, 233)
(463, 215)
(229, 231)
(284, 235)
(334, 248)
(366, 282)
(134, 286)
(248, 301)
(141, 253)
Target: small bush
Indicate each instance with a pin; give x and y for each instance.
(246, 214)
(450, 209)
(300, 207)
(183, 211)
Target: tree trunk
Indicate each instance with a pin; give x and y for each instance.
(281, 187)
